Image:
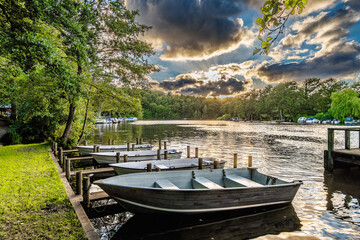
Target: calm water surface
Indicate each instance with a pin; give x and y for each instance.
(326, 205)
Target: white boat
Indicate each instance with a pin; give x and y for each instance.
(110, 157)
(198, 191)
(301, 120)
(87, 150)
(164, 165)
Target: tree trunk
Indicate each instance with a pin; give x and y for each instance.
(85, 119)
(69, 123)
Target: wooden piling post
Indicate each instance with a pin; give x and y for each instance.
(158, 169)
(133, 147)
(188, 151)
(165, 145)
(79, 183)
(85, 143)
(148, 167)
(158, 154)
(160, 144)
(137, 140)
(109, 142)
(249, 161)
(165, 154)
(347, 139)
(94, 148)
(86, 192)
(329, 165)
(216, 164)
(141, 141)
(126, 158)
(68, 168)
(196, 152)
(118, 157)
(64, 164)
(113, 142)
(235, 160)
(61, 153)
(128, 146)
(97, 148)
(200, 163)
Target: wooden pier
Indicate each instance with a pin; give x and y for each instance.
(346, 157)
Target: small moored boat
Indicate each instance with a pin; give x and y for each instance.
(198, 191)
(164, 165)
(87, 150)
(110, 157)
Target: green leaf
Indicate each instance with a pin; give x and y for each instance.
(259, 21)
(256, 51)
(268, 39)
(275, 9)
(265, 44)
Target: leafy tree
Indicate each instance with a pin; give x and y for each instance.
(345, 103)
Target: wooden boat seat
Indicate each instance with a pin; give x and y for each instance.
(161, 166)
(238, 181)
(166, 184)
(204, 183)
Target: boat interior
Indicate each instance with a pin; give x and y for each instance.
(199, 179)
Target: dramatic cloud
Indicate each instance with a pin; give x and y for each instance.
(332, 55)
(180, 82)
(193, 29)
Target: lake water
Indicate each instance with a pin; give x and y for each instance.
(326, 205)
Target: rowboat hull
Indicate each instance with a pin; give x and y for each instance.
(133, 156)
(147, 199)
(87, 150)
(164, 165)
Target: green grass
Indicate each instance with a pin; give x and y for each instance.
(33, 201)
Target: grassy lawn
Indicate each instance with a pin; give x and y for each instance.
(33, 201)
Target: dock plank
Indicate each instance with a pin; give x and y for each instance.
(81, 158)
(94, 171)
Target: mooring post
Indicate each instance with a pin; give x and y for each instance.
(235, 160)
(113, 142)
(200, 163)
(109, 142)
(79, 183)
(97, 148)
(165, 145)
(137, 140)
(158, 169)
(216, 164)
(133, 147)
(188, 151)
(85, 143)
(148, 167)
(68, 168)
(86, 192)
(94, 148)
(158, 154)
(347, 139)
(249, 161)
(196, 152)
(126, 158)
(64, 164)
(61, 156)
(118, 157)
(329, 164)
(165, 154)
(141, 141)
(128, 146)
(160, 144)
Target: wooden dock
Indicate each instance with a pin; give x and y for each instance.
(337, 158)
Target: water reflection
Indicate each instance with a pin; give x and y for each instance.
(327, 205)
(233, 225)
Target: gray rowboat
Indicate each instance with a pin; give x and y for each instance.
(146, 155)
(87, 150)
(164, 165)
(198, 191)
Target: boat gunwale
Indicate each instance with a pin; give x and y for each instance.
(111, 154)
(115, 146)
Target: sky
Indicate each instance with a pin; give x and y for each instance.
(205, 47)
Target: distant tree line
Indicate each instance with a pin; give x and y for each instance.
(289, 101)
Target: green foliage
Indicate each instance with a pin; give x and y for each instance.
(345, 103)
(33, 201)
(226, 116)
(275, 15)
